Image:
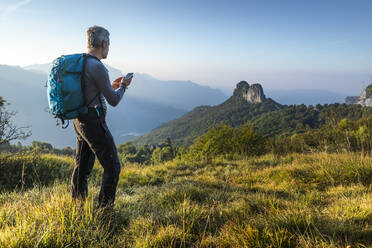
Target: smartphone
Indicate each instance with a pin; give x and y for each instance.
(129, 75)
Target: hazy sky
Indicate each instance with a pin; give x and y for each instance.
(281, 44)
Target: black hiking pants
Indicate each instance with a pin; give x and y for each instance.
(95, 140)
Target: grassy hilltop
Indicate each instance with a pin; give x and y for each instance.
(306, 182)
(297, 200)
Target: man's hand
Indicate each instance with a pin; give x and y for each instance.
(121, 81)
(116, 83)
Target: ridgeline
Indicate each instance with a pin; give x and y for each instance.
(249, 104)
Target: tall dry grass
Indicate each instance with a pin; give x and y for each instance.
(315, 200)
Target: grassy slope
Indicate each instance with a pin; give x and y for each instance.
(317, 200)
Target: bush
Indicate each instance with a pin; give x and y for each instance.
(129, 153)
(226, 141)
(22, 171)
(163, 153)
(344, 136)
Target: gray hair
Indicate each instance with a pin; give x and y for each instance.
(95, 36)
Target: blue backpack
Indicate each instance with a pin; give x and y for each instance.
(65, 87)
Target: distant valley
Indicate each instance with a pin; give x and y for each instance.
(148, 103)
(141, 109)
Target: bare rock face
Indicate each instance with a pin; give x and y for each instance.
(241, 87)
(365, 99)
(252, 94)
(351, 99)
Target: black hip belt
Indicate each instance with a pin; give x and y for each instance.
(93, 113)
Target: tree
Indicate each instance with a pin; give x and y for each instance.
(8, 130)
(127, 148)
(129, 153)
(67, 151)
(165, 152)
(247, 141)
(42, 146)
(144, 154)
(2, 101)
(363, 136)
(369, 89)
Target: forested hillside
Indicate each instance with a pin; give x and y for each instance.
(268, 118)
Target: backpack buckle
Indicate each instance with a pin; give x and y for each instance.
(97, 111)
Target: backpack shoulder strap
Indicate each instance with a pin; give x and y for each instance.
(91, 56)
(85, 56)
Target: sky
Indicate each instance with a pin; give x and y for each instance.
(279, 43)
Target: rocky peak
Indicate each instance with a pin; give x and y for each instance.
(365, 99)
(251, 93)
(367, 92)
(351, 99)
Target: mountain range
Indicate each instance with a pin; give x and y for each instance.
(249, 103)
(148, 104)
(24, 89)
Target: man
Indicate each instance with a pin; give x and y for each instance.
(93, 136)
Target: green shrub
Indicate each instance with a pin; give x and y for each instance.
(160, 155)
(22, 171)
(226, 141)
